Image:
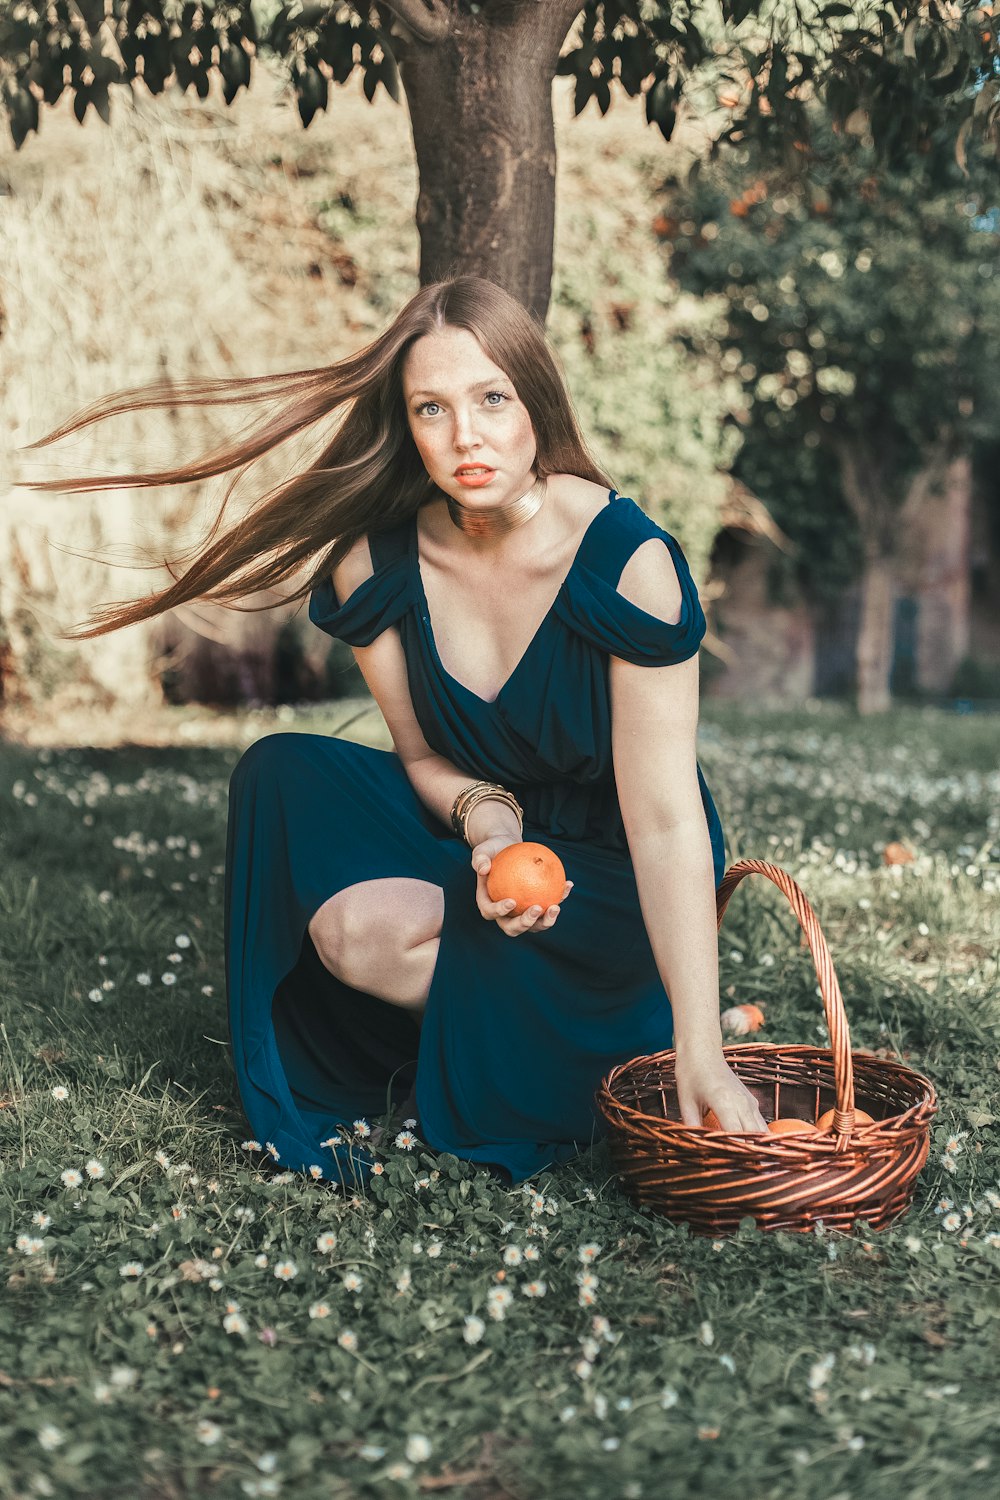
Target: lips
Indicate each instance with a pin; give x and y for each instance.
(474, 476)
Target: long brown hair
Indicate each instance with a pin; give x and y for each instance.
(370, 475)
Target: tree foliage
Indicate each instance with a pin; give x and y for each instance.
(861, 306)
(912, 65)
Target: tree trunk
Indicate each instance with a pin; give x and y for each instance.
(875, 633)
(866, 478)
(480, 103)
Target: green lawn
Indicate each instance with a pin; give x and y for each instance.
(174, 1323)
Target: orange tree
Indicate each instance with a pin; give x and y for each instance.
(477, 78)
(861, 308)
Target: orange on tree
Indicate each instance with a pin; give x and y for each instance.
(530, 874)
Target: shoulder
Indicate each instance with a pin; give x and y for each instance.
(637, 554)
(650, 580)
(352, 570)
(577, 501)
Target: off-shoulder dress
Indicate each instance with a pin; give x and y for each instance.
(517, 1033)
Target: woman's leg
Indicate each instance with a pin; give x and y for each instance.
(382, 937)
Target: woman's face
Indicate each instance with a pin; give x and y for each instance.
(464, 413)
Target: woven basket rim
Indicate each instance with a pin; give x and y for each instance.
(921, 1087)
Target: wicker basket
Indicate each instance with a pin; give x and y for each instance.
(712, 1179)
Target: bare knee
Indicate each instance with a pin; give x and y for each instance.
(364, 927)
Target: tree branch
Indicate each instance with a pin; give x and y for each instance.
(428, 20)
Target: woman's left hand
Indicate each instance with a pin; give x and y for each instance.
(705, 1081)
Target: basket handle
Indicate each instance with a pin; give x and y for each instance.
(833, 1001)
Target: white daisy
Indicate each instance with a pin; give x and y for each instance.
(285, 1270)
(418, 1448)
(326, 1242)
(348, 1340)
(71, 1178)
(473, 1329)
(60, 1092)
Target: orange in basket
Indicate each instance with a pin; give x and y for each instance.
(711, 1179)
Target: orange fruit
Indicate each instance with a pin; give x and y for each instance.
(710, 1121)
(897, 854)
(531, 874)
(789, 1125)
(861, 1117)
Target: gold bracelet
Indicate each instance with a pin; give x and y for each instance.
(481, 791)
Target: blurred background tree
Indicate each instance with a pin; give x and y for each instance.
(860, 309)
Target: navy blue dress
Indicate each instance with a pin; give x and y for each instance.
(517, 1033)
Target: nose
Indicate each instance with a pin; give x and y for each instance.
(466, 435)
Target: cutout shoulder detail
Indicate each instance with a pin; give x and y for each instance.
(376, 602)
(649, 580)
(604, 617)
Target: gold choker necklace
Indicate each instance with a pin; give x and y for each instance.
(503, 518)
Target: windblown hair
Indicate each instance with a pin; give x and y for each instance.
(370, 475)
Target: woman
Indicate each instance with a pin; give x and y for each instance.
(531, 639)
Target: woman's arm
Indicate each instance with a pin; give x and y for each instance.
(654, 730)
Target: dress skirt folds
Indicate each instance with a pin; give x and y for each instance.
(517, 1033)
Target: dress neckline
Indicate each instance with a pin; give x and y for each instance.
(424, 610)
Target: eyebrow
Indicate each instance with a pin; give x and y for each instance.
(481, 385)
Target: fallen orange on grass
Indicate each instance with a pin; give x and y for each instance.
(529, 873)
(741, 1019)
(861, 1117)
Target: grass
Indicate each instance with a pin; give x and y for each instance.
(178, 1324)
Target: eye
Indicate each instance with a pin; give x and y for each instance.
(502, 394)
(502, 397)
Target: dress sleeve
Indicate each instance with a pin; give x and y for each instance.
(375, 604)
(592, 606)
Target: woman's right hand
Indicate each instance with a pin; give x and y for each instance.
(534, 919)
